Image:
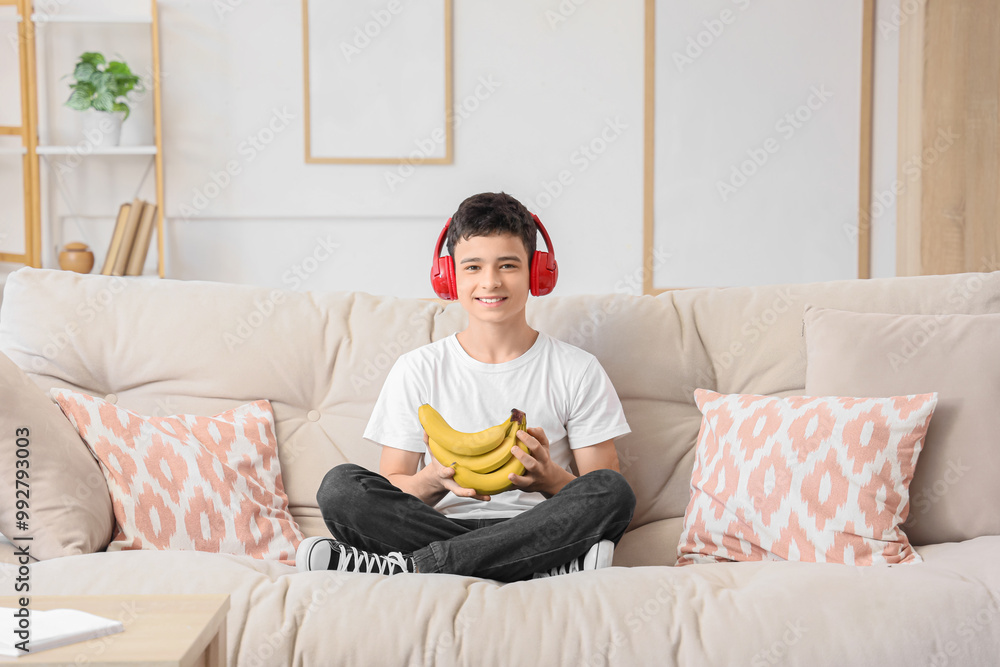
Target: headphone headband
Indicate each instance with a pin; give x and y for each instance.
(545, 235)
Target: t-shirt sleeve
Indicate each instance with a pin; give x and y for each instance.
(596, 414)
(394, 421)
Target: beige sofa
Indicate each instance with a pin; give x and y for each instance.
(168, 347)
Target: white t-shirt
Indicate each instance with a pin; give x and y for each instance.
(559, 387)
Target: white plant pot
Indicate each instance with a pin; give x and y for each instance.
(102, 129)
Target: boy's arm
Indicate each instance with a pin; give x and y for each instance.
(595, 457)
(430, 484)
(543, 475)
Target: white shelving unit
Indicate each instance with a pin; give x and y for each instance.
(46, 189)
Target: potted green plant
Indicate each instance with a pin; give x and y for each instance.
(100, 89)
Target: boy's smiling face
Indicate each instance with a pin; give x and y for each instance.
(492, 277)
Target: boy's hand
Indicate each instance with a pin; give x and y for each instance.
(541, 473)
(442, 476)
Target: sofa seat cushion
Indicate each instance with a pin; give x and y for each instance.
(650, 544)
(708, 614)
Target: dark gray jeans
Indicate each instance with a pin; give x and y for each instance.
(365, 510)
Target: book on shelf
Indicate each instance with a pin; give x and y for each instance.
(52, 629)
(140, 247)
(116, 239)
(128, 237)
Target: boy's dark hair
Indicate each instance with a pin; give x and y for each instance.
(492, 213)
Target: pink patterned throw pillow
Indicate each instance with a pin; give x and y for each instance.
(190, 482)
(818, 479)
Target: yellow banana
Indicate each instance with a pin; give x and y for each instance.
(486, 462)
(491, 482)
(468, 444)
(487, 471)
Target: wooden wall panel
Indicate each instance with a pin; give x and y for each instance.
(949, 98)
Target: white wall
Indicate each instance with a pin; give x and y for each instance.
(553, 86)
(757, 144)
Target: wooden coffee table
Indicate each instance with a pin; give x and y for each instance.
(161, 630)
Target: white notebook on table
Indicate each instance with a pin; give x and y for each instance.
(51, 629)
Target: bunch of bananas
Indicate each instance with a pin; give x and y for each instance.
(481, 460)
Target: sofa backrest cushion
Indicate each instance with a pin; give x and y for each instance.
(52, 488)
(167, 347)
(954, 495)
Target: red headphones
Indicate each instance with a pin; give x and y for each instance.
(544, 269)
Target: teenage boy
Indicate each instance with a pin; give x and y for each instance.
(412, 516)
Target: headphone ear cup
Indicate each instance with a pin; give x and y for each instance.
(443, 270)
(443, 278)
(544, 273)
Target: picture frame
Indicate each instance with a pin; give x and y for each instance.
(364, 102)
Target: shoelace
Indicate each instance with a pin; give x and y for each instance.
(566, 568)
(369, 562)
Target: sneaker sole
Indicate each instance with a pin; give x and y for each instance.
(303, 554)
